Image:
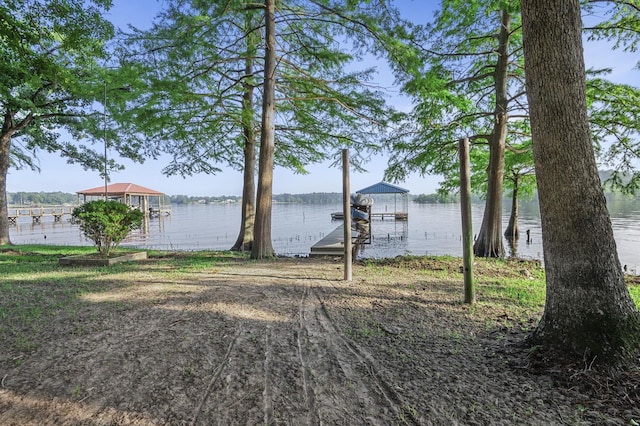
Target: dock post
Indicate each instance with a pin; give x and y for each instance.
(346, 209)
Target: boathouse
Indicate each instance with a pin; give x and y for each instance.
(150, 201)
(389, 201)
(382, 205)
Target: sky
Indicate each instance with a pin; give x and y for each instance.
(56, 175)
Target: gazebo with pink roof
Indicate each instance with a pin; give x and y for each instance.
(148, 200)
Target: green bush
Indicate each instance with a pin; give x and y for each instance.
(107, 223)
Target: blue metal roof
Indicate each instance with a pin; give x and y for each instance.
(383, 188)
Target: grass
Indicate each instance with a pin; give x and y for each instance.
(634, 290)
(35, 289)
(517, 282)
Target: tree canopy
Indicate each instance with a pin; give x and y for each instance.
(53, 71)
(195, 58)
(472, 85)
(204, 71)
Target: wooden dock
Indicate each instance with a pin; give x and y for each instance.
(378, 215)
(37, 213)
(58, 212)
(333, 243)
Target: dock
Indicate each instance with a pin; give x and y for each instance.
(58, 212)
(374, 215)
(37, 213)
(333, 243)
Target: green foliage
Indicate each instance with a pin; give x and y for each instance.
(456, 91)
(634, 291)
(46, 198)
(453, 91)
(619, 22)
(438, 198)
(51, 76)
(107, 223)
(201, 62)
(615, 116)
(57, 71)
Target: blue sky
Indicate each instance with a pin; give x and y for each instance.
(57, 175)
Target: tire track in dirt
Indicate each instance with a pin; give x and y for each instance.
(284, 396)
(303, 342)
(363, 395)
(267, 394)
(237, 387)
(261, 382)
(301, 370)
(215, 377)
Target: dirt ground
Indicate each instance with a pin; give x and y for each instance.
(291, 343)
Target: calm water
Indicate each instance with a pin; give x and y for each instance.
(431, 229)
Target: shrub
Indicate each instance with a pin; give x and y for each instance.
(107, 223)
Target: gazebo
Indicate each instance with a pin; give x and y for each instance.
(400, 207)
(150, 201)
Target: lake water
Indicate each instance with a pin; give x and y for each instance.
(432, 229)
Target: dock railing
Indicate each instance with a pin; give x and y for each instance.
(37, 213)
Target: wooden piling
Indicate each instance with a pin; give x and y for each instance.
(346, 210)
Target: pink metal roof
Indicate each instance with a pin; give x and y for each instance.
(120, 189)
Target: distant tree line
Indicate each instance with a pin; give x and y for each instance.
(312, 198)
(188, 199)
(44, 198)
(438, 198)
(58, 198)
(336, 197)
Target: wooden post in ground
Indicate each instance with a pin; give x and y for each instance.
(467, 228)
(346, 211)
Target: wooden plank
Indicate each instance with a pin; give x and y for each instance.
(331, 245)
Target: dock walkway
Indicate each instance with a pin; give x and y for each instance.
(58, 212)
(37, 213)
(380, 215)
(331, 245)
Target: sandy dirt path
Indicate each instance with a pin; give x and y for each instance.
(283, 344)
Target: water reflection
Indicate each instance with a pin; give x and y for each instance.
(512, 246)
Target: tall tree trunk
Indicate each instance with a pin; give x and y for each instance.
(489, 240)
(512, 232)
(245, 236)
(247, 221)
(588, 309)
(262, 245)
(5, 149)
